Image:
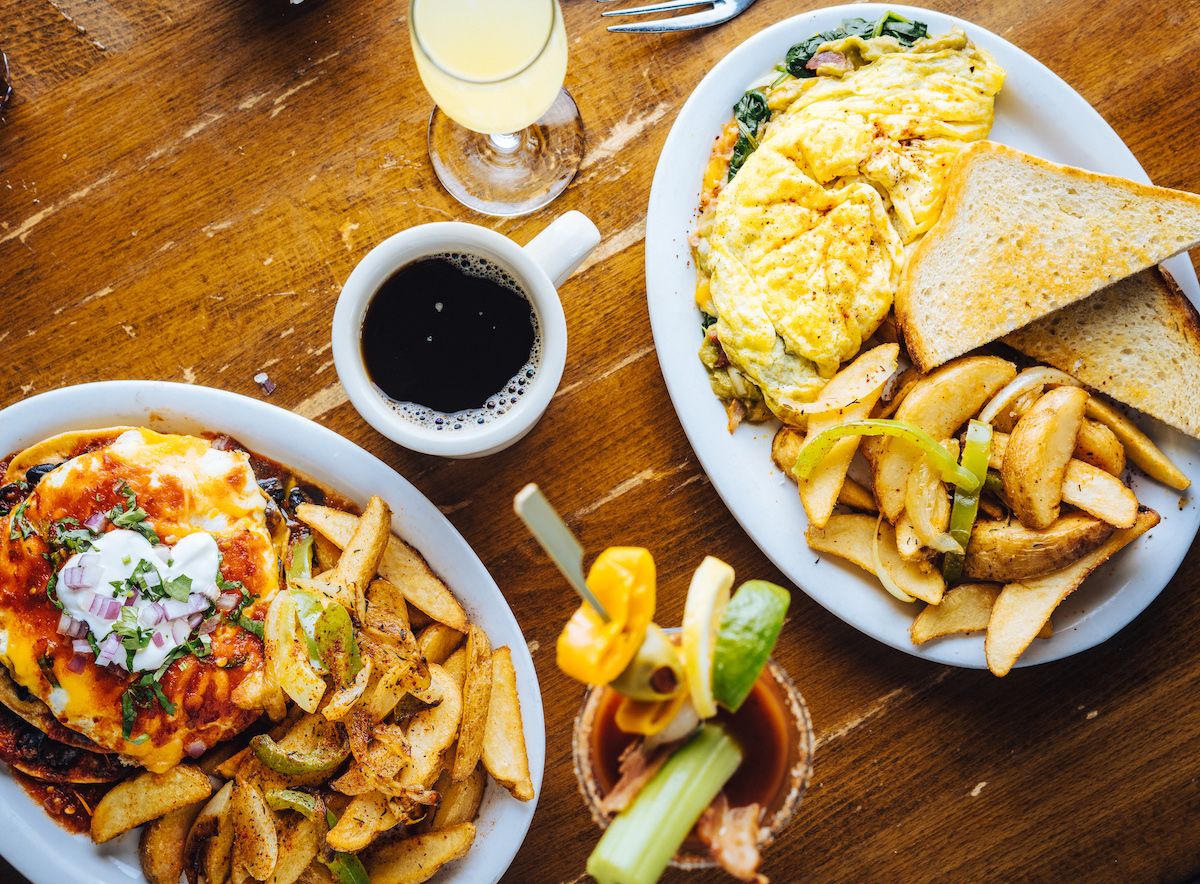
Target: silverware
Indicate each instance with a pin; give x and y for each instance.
(718, 11)
(563, 548)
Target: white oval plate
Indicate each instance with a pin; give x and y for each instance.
(1037, 112)
(43, 851)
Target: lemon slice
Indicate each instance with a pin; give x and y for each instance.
(706, 600)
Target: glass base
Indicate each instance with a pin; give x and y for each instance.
(508, 175)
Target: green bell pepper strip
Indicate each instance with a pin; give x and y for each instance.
(300, 564)
(975, 456)
(294, 764)
(993, 484)
(333, 634)
(303, 803)
(818, 446)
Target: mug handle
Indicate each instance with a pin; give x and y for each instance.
(563, 245)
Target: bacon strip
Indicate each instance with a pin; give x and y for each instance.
(732, 836)
(637, 768)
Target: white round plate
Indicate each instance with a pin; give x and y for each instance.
(1036, 112)
(43, 851)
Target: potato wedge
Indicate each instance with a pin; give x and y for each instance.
(476, 697)
(1008, 551)
(861, 381)
(785, 448)
(964, 609)
(255, 840)
(401, 565)
(325, 553)
(1022, 608)
(908, 544)
(147, 797)
(1039, 450)
(927, 505)
(1099, 446)
(1085, 487)
(437, 641)
(894, 393)
(359, 561)
(1148, 457)
(386, 609)
(338, 705)
(160, 849)
(209, 845)
(456, 665)
(417, 859)
(431, 731)
(362, 822)
(300, 840)
(504, 753)
(460, 799)
(852, 537)
(939, 403)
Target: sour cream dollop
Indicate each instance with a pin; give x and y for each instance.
(113, 559)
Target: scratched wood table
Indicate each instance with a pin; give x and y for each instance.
(185, 185)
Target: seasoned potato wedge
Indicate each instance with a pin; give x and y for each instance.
(362, 822)
(1008, 551)
(1023, 608)
(1039, 449)
(255, 840)
(908, 544)
(939, 403)
(456, 665)
(459, 800)
(860, 383)
(417, 859)
(852, 536)
(161, 846)
(300, 840)
(476, 697)
(785, 448)
(1085, 487)
(401, 565)
(359, 561)
(431, 731)
(209, 846)
(1148, 457)
(437, 641)
(964, 609)
(504, 753)
(1098, 445)
(147, 797)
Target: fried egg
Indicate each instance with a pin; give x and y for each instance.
(187, 489)
(801, 253)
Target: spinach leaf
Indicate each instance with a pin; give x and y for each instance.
(890, 24)
(750, 112)
(906, 31)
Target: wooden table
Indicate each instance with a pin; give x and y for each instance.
(185, 185)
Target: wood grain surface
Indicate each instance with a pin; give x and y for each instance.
(185, 185)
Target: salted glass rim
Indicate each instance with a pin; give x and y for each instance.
(555, 11)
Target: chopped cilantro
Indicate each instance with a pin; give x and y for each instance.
(46, 664)
(178, 588)
(130, 515)
(254, 626)
(19, 525)
(52, 590)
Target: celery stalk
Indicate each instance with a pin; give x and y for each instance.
(642, 839)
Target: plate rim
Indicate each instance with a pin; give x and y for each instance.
(662, 241)
(168, 403)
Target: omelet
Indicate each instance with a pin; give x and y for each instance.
(137, 499)
(801, 253)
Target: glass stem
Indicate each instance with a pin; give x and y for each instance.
(506, 143)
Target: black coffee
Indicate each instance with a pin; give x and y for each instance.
(451, 339)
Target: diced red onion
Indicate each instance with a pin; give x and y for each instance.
(195, 749)
(208, 590)
(193, 620)
(131, 598)
(96, 604)
(158, 639)
(176, 609)
(95, 522)
(152, 614)
(180, 631)
(227, 601)
(83, 574)
(112, 609)
(81, 647)
(65, 624)
(109, 649)
(210, 624)
(79, 630)
(77, 663)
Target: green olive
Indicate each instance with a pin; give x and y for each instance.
(655, 672)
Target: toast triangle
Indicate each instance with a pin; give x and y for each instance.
(1020, 237)
(1138, 341)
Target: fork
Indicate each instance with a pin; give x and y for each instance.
(718, 12)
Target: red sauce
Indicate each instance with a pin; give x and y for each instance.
(68, 805)
(760, 727)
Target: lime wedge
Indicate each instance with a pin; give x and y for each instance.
(702, 613)
(746, 638)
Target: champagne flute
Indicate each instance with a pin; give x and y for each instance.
(505, 138)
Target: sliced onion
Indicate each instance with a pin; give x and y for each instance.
(95, 522)
(227, 601)
(76, 664)
(1029, 379)
(195, 749)
(81, 647)
(65, 624)
(158, 639)
(885, 576)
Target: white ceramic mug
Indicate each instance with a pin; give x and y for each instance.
(539, 268)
